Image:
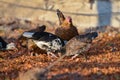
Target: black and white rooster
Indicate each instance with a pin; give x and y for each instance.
(6, 46)
(46, 41)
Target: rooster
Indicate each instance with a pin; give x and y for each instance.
(6, 46)
(29, 44)
(46, 41)
(67, 30)
(79, 44)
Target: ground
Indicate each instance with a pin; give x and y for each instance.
(103, 61)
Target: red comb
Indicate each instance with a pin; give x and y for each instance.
(69, 19)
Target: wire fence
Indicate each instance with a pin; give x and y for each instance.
(29, 8)
(16, 4)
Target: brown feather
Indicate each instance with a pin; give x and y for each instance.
(67, 30)
(75, 46)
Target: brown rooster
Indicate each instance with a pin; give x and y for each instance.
(67, 30)
(78, 45)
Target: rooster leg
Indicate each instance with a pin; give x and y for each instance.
(78, 54)
(74, 56)
(59, 54)
(52, 54)
(85, 56)
(33, 54)
(85, 49)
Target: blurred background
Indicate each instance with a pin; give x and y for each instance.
(85, 13)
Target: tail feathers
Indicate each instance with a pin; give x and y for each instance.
(28, 34)
(60, 16)
(39, 29)
(91, 36)
(94, 34)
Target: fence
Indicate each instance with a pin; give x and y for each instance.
(85, 13)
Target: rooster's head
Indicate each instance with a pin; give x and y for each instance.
(69, 20)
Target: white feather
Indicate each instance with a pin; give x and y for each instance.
(11, 46)
(56, 44)
(41, 43)
(28, 34)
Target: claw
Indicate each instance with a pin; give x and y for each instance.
(59, 54)
(74, 56)
(77, 55)
(85, 56)
(52, 54)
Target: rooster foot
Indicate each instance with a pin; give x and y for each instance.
(74, 56)
(52, 54)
